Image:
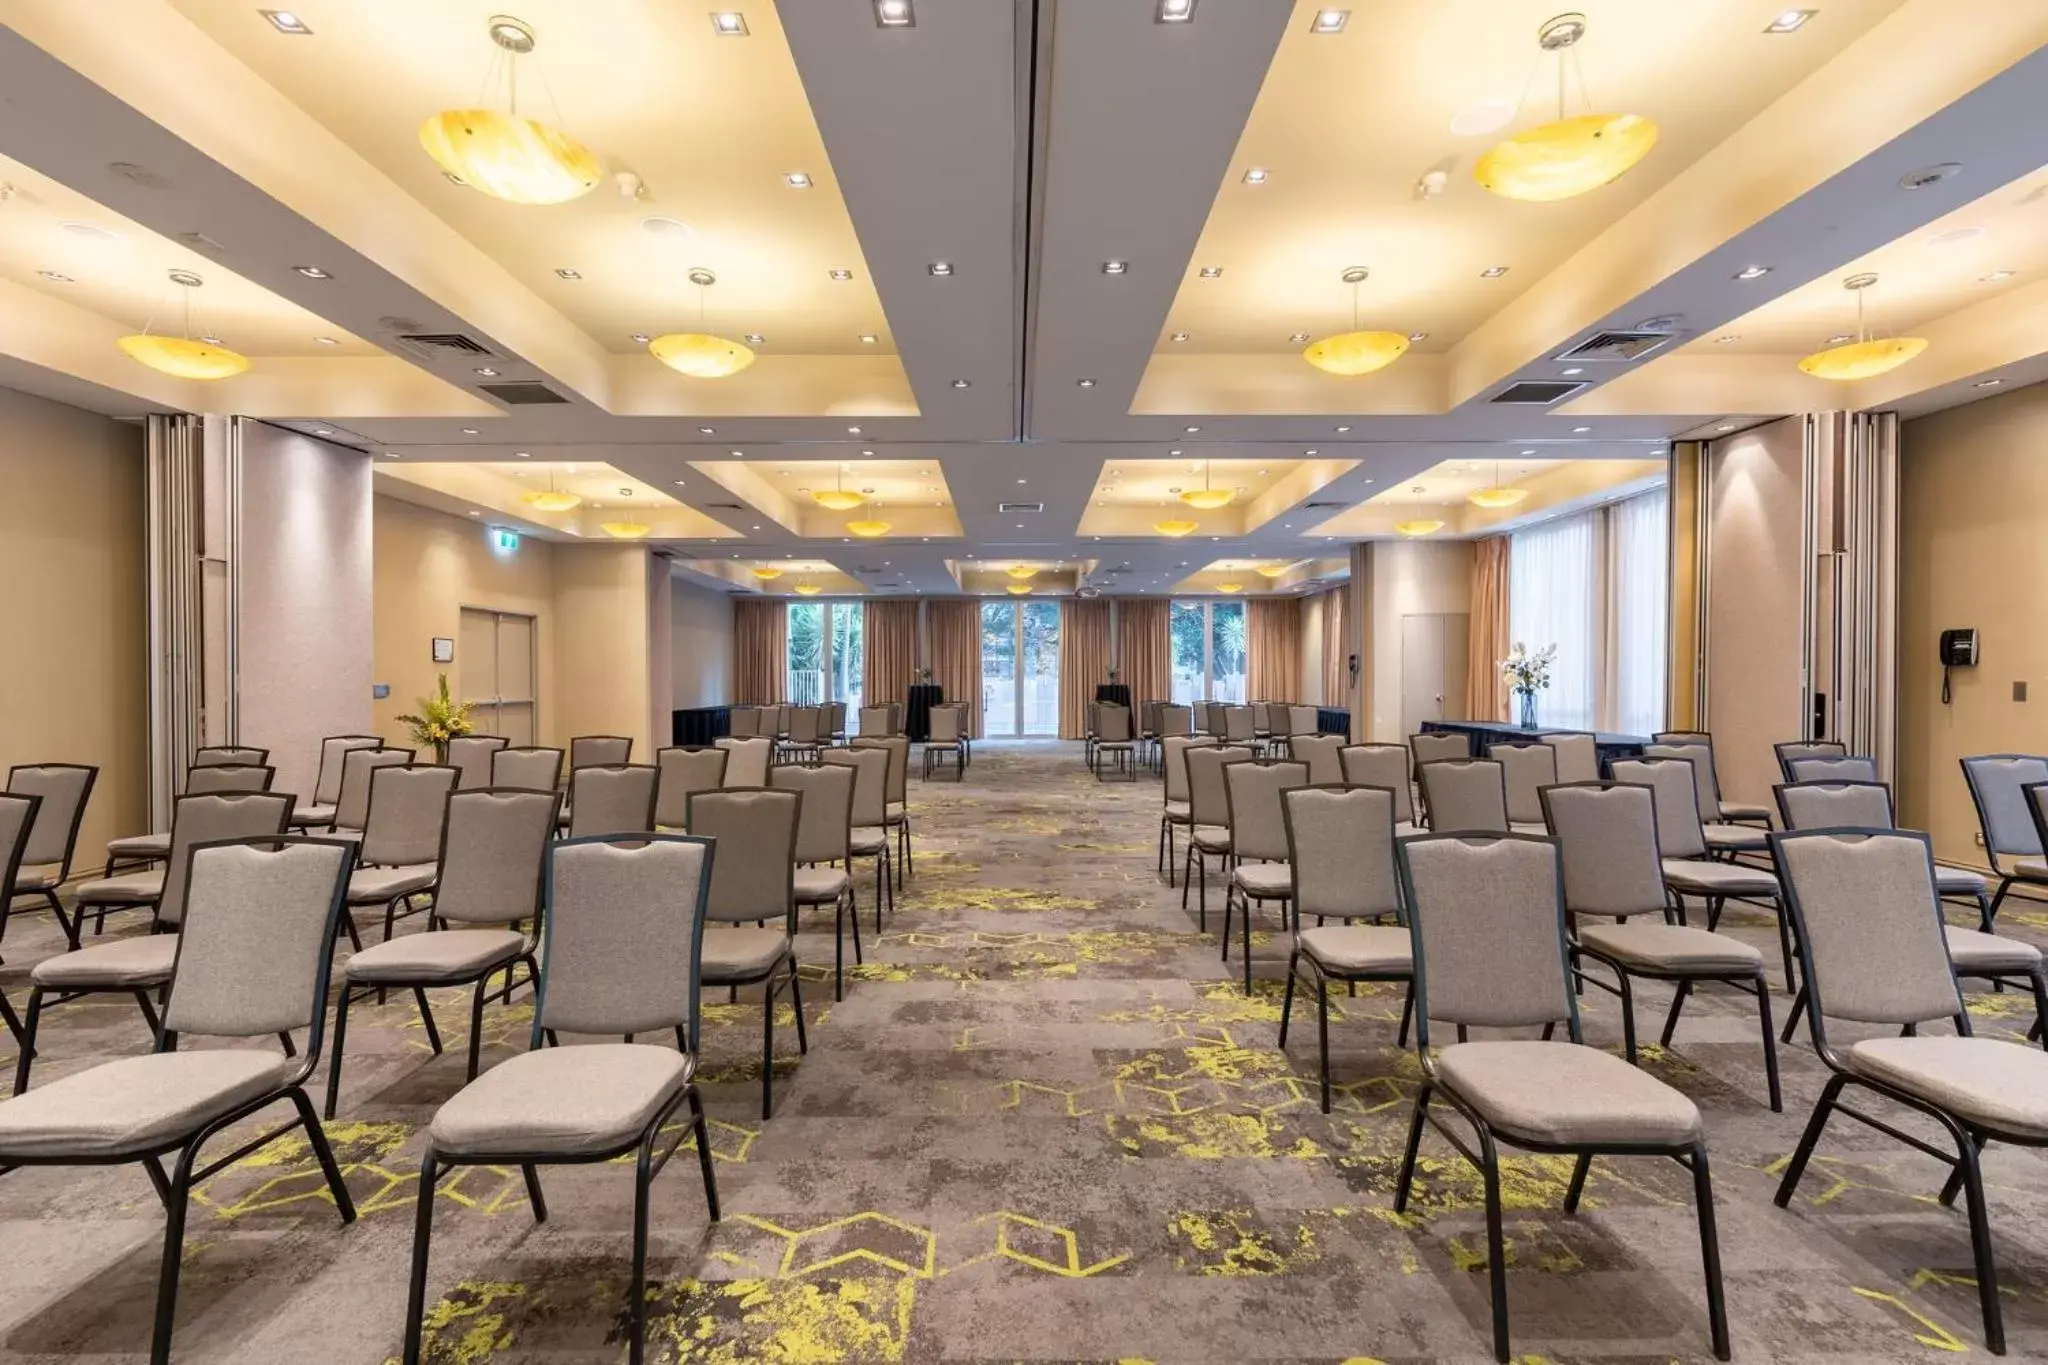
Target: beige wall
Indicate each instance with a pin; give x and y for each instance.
(74, 612)
(700, 643)
(1312, 647)
(1409, 577)
(1973, 552)
(603, 664)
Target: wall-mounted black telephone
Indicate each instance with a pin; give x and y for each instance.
(1958, 650)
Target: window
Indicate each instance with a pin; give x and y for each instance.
(1020, 668)
(847, 658)
(1638, 542)
(1208, 651)
(999, 668)
(1551, 571)
(824, 660)
(806, 672)
(1226, 651)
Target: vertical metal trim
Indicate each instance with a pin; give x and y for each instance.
(1810, 438)
(1703, 565)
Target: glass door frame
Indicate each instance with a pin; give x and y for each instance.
(1017, 725)
(1207, 606)
(827, 679)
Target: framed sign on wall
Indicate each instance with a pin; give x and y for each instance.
(444, 650)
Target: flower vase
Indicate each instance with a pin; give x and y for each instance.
(1525, 707)
(441, 751)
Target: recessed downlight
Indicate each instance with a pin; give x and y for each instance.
(940, 268)
(469, 431)
(56, 277)
(869, 339)
(1329, 21)
(1212, 272)
(1790, 20)
(312, 272)
(1116, 267)
(567, 273)
(963, 383)
(486, 372)
(666, 227)
(1580, 431)
(1174, 12)
(1256, 175)
(895, 14)
(1571, 370)
(728, 23)
(708, 431)
(327, 341)
(842, 275)
(1988, 383)
(797, 180)
(1493, 272)
(1298, 339)
(642, 338)
(1752, 272)
(285, 21)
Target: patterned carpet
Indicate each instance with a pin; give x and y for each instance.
(1045, 1125)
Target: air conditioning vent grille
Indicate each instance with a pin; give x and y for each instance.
(446, 341)
(1324, 506)
(1539, 392)
(1619, 346)
(1020, 507)
(523, 393)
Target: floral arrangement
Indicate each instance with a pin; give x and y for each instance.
(924, 674)
(1112, 672)
(440, 719)
(1527, 673)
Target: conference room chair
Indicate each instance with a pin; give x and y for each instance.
(1807, 748)
(870, 837)
(1114, 742)
(1613, 870)
(1465, 794)
(1838, 768)
(750, 915)
(1724, 837)
(487, 878)
(623, 935)
(1173, 719)
(140, 964)
(1979, 953)
(1304, 720)
(1208, 817)
(1578, 756)
(1525, 770)
(62, 791)
(746, 722)
(1238, 727)
(612, 798)
(1435, 746)
(1174, 814)
(1089, 733)
(877, 721)
(1689, 868)
(401, 843)
(835, 722)
(1258, 843)
(334, 751)
(896, 808)
(1383, 765)
(470, 755)
(1262, 721)
(1714, 808)
(682, 771)
(592, 751)
(17, 818)
(527, 767)
(273, 902)
(215, 755)
(2012, 841)
(1871, 945)
(775, 720)
(747, 760)
(1323, 754)
(947, 741)
(1340, 860)
(140, 850)
(824, 853)
(807, 735)
(1486, 915)
(359, 767)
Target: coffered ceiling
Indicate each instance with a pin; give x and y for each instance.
(1020, 352)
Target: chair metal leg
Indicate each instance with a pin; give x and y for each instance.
(70, 925)
(316, 1138)
(1628, 1018)
(767, 1048)
(534, 1197)
(1763, 1014)
(1496, 1245)
(1792, 1019)
(422, 1237)
(476, 1027)
(419, 996)
(1245, 904)
(1710, 1251)
(1287, 1000)
(1808, 1140)
(28, 1039)
(1578, 1182)
(334, 1059)
(12, 1020)
(704, 1152)
(796, 1001)
(1322, 1033)
(643, 1178)
(174, 1252)
(1415, 1122)
(1678, 999)
(1407, 1013)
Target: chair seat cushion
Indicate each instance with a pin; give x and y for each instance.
(315, 814)
(1974, 952)
(2000, 1085)
(1175, 813)
(376, 885)
(1272, 881)
(153, 846)
(1703, 878)
(2033, 868)
(1742, 810)
(820, 885)
(42, 877)
(1536, 827)
(741, 953)
(868, 841)
(1958, 881)
(1740, 838)
(561, 1101)
(135, 1103)
(1671, 948)
(135, 888)
(1567, 1093)
(1359, 949)
(438, 955)
(144, 960)
(1408, 829)
(1210, 838)
(892, 812)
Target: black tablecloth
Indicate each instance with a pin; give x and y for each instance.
(1333, 720)
(1484, 733)
(917, 713)
(1120, 693)
(700, 725)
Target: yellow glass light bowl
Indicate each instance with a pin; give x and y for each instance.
(1021, 571)
(183, 357)
(1565, 159)
(700, 355)
(807, 590)
(1176, 528)
(1863, 359)
(1208, 499)
(551, 500)
(868, 530)
(1493, 499)
(1420, 527)
(1355, 353)
(1019, 589)
(838, 499)
(767, 573)
(1273, 570)
(516, 159)
(1230, 587)
(626, 530)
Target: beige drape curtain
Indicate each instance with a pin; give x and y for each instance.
(889, 651)
(1336, 648)
(1084, 660)
(1273, 650)
(955, 658)
(760, 647)
(1144, 654)
(1486, 696)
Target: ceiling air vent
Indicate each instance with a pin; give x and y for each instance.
(446, 341)
(1619, 346)
(523, 393)
(1539, 392)
(723, 507)
(1324, 506)
(1020, 507)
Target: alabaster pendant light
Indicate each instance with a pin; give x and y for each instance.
(1019, 589)
(1230, 587)
(626, 530)
(1273, 570)
(1866, 356)
(1176, 528)
(552, 499)
(183, 356)
(1021, 571)
(1497, 496)
(1419, 526)
(1356, 352)
(868, 530)
(1572, 155)
(767, 573)
(1206, 498)
(806, 590)
(701, 354)
(838, 498)
(501, 153)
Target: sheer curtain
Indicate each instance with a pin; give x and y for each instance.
(1553, 575)
(1638, 568)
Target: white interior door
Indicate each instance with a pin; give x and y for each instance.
(1433, 654)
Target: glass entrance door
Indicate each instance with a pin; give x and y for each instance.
(1208, 651)
(1020, 668)
(999, 668)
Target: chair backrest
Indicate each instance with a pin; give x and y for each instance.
(493, 843)
(945, 724)
(207, 819)
(358, 766)
(1607, 836)
(624, 935)
(824, 834)
(1847, 768)
(1997, 783)
(1868, 925)
(774, 720)
(898, 746)
(408, 802)
(1381, 765)
(64, 788)
(1304, 720)
(229, 777)
(615, 798)
(1835, 805)
(835, 718)
(1808, 748)
(1676, 784)
(684, 771)
(470, 755)
(1237, 725)
(1340, 849)
(1683, 737)
(1262, 718)
(1487, 917)
(528, 767)
(2035, 793)
(754, 829)
(1578, 756)
(870, 783)
(256, 951)
(1323, 754)
(746, 763)
(1173, 751)
(1706, 793)
(746, 722)
(1435, 746)
(213, 755)
(876, 721)
(1113, 724)
(1251, 795)
(594, 751)
(1208, 800)
(333, 750)
(806, 724)
(1173, 720)
(17, 818)
(1525, 769)
(1465, 794)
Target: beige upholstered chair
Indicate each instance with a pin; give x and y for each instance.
(470, 755)
(1258, 843)
(401, 839)
(592, 751)
(774, 721)
(877, 721)
(62, 790)
(1238, 727)
(824, 852)
(1114, 741)
(352, 802)
(1208, 816)
(319, 812)
(1870, 938)
(1435, 746)
(683, 772)
(948, 740)
(1525, 769)
(530, 768)
(1174, 815)
(1837, 768)
(487, 876)
(1383, 765)
(1262, 719)
(745, 723)
(2012, 840)
(17, 818)
(214, 755)
(144, 849)
(1807, 748)
(612, 798)
(748, 761)
(624, 942)
(1577, 754)
(254, 961)
(1465, 794)
(1713, 808)
(1323, 754)
(750, 933)
(1487, 918)
(1340, 855)
(807, 735)
(1723, 836)
(896, 810)
(870, 837)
